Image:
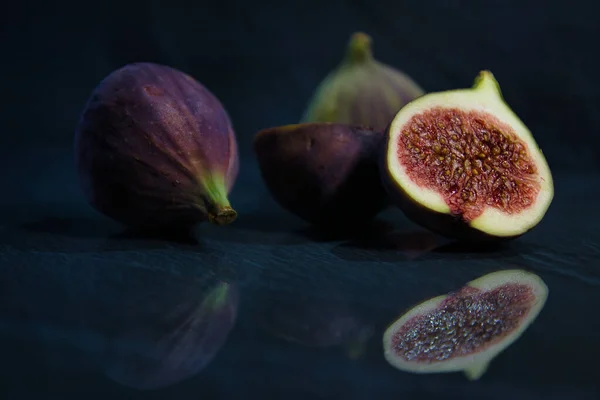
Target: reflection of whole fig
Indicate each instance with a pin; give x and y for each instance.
(145, 324)
(155, 148)
(361, 90)
(162, 351)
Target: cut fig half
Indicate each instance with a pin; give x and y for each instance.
(462, 164)
(465, 330)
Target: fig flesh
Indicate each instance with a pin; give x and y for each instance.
(361, 90)
(324, 173)
(155, 148)
(465, 330)
(463, 165)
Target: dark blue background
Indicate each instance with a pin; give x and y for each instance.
(264, 59)
(60, 259)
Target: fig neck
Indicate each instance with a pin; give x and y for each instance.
(486, 82)
(216, 202)
(359, 50)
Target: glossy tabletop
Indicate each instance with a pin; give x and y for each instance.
(92, 310)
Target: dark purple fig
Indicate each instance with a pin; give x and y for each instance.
(160, 352)
(465, 330)
(325, 173)
(155, 148)
(462, 164)
(361, 90)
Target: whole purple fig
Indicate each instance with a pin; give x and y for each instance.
(155, 148)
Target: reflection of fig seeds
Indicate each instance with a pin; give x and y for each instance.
(465, 322)
(465, 330)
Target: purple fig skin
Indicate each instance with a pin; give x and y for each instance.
(442, 224)
(325, 173)
(154, 148)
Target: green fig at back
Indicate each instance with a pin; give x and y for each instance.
(361, 90)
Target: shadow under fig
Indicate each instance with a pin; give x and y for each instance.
(58, 234)
(351, 231)
(477, 248)
(136, 239)
(388, 247)
(75, 227)
(422, 244)
(256, 227)
(80, 234)
(503, 249)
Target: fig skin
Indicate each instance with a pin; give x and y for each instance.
(361, 90)
(474, 364)
(485, 95)
(156, 149)
(324, 173)
(446, 225)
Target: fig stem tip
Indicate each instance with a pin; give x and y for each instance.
(486, 80)
(223, 216)
(359, 48)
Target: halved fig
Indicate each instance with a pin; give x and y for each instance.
(325, 173)
(462, 164)
(466, 329)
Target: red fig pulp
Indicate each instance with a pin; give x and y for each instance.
(462, 164)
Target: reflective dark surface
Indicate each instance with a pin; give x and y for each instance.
(266, 307)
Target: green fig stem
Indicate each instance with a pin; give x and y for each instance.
(222, 215)
(485, 81)
(359, 49)
(215, 200)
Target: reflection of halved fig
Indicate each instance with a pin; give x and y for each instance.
(462, 164)
(161, 351)
(464, 331)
